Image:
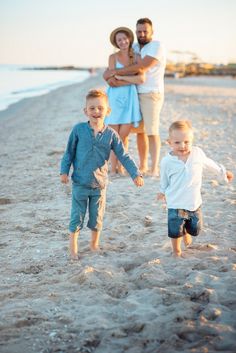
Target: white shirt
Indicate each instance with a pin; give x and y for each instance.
(154, 81)
(181, 182)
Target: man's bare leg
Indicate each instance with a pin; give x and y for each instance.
(142, 144)
(73, 244)
(176, 246)
(94, 244)
(154, 150)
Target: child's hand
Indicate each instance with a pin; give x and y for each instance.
(64, 178)
(161, 197)
(229, 175)
(138, 181)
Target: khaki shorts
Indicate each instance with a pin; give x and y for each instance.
(150, 105)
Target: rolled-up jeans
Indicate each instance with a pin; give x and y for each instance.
(85, 197)
(181, 221)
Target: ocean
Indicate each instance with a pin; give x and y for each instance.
(18, 82)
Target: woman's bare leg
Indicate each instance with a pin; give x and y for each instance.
(113, 159)
(124, 131)
(142, 145)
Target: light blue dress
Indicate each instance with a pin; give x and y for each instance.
(124, 104)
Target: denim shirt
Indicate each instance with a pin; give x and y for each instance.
(89, 156)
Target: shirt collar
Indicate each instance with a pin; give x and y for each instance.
(101, 131)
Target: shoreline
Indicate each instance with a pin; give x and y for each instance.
(13, 108)
(133, 296)
(168, 80)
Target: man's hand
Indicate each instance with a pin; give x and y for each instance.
(138, 181)
(64, 178)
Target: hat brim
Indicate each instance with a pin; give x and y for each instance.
(120, 29)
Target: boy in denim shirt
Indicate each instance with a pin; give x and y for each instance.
(180, 184)
(88, 150)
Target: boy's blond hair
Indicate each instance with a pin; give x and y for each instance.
(96, 93)
(180, 125)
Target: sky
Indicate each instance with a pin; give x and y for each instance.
(76, 32)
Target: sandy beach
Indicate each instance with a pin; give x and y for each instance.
(133, 296)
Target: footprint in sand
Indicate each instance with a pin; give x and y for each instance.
(31, 270)
(4, 201)
(204, 247)
(53, 153)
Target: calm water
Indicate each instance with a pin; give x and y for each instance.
(16, 84)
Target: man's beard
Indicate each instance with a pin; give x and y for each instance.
(143, 41)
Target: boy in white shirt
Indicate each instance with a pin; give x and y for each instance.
(180, 184)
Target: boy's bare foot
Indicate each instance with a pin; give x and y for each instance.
(74, 256)
(187, 239)
(94, 247)
(177, 254)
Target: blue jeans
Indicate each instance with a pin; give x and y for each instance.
(95, 200)
(182, 221)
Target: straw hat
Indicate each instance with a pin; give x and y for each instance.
(120, 29)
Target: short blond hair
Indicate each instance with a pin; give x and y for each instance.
(180, 125)
(96, 93)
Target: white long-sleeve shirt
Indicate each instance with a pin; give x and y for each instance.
(181, 181)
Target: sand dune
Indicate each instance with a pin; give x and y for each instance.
(132, 297)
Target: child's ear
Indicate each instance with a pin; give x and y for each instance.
(85, 111)
(108, 111)
(168, 141)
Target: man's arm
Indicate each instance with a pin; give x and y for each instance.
(144, 64)
(113, 82)
(134, 79)
(109, 77)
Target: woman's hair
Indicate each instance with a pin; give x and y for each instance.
(96, 93)
(180, 125)
(131, 51)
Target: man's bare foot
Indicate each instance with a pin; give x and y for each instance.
(187, 239)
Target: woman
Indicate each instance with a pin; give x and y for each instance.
(123, 100)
